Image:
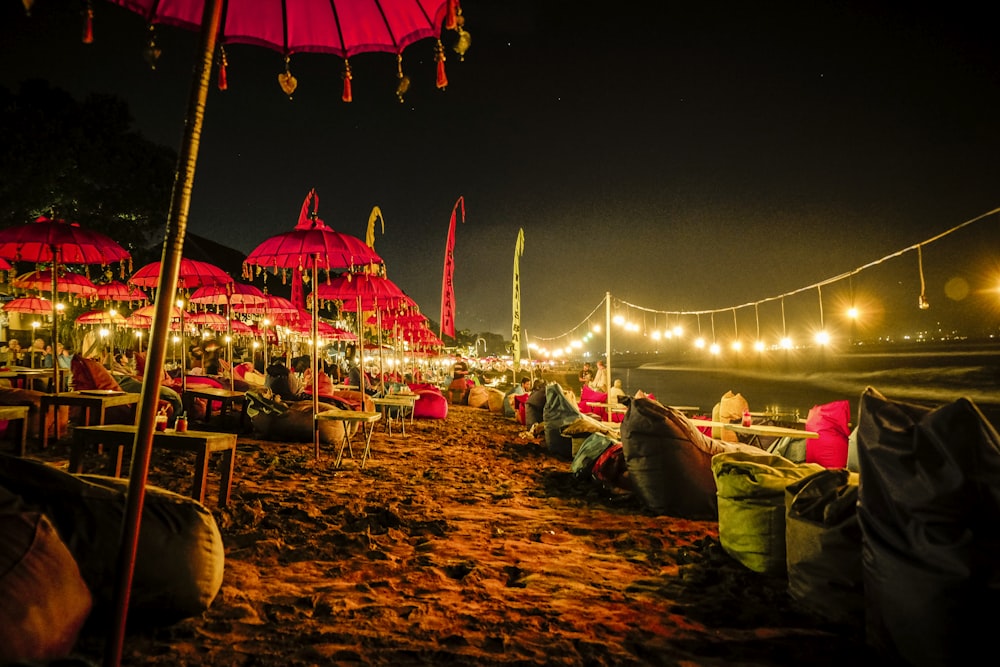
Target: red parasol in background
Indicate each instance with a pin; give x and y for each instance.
(58, 242)
(312, 246)
(349, 28)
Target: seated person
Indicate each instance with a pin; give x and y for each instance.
(124, 372)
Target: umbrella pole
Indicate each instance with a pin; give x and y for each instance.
(173, 245)
(315, 355)
(55, 324)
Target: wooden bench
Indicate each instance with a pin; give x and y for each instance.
(118, 437)
(18, 414)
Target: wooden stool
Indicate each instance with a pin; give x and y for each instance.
(121, 436)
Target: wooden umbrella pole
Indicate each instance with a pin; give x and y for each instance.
(173, 245)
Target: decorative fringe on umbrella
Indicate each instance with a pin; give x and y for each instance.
(88, 24)
(442, 77)
(348, 95)
(223, 63)
(404, 81)
(287, 82)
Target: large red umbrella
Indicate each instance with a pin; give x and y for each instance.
(290, 26)
(229, 295)
(65, 282)
(191, 274)
(58, 242)
(312, 246)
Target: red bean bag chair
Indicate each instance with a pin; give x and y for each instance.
(431, 404)
(587, 396)
(831, 421)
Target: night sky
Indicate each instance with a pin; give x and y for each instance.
(684, 158)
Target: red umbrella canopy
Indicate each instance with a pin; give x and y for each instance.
(116, 291)
(29, 304)
(376, 292)
(192, 274)
(234, 294)
(312, 244)
(49, 240)
(66, 282)
(100, 317)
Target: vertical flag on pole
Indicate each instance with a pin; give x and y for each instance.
(515, 329)
(376, 214)
(447, 286)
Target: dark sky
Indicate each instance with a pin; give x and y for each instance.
(684, 158)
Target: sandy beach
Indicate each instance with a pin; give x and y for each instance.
(465, 542)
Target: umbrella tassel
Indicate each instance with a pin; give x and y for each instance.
(404, 81)
(88, 25)
(442, 76)
(223, 63)
(348, 95)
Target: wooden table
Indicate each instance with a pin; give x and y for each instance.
(95, 404)
(402, 403)
(19, 414)
(118, 437)
(348, 417)
(757, 431)
(226, 397)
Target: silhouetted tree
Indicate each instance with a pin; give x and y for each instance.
(81, 161)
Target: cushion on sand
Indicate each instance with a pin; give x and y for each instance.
(670, 460)
(831, 421)
(929, 507)
(752, 506)
(180, 557)
(43, 599)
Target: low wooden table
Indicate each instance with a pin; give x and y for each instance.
(226, 397)
(118, 437)
(94, 403)
(349, 417)
(756, 431)
(17, 414)
(404, 408)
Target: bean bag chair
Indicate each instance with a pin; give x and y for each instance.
(929, 507)
(559, 412)
(430, 404)
(33, 399)
(751, 496)
(478, 397)
(44, 601)
(588, 395)
(180, 557)
(670, 461)
(495, 400)
(594, 445)
(730, 408)
(823, 546)
(831, 421)
(91, 374)
(610, 469)
(458, 391)
(294, 423)
(521, 401)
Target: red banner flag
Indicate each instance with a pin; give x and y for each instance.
(447, 286)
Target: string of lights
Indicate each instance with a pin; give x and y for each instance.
(821, 337)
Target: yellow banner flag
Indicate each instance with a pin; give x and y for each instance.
(515, 330)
